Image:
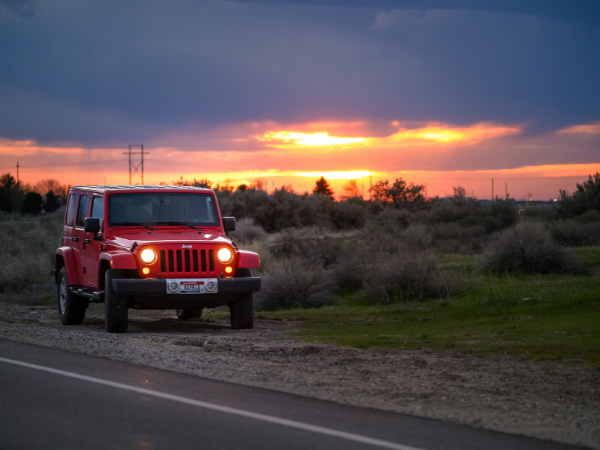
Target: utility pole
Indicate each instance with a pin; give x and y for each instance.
(18, 171)
(136, 167)
(492, 190)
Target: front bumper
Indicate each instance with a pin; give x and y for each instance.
(158, 287)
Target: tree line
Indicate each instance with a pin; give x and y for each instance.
(283, 208)
(45, 196)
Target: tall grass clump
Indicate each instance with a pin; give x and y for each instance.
(527, 248)
(294, 283)
(27, 246)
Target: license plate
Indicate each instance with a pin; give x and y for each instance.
(192, 287)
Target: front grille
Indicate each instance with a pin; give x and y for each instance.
(187, 261)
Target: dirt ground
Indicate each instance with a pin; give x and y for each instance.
(557, 401)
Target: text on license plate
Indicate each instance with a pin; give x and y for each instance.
(192, 287)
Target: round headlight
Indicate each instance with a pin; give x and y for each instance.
(148, 256)
(225, 255)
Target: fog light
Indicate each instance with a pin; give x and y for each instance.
(173, 286)
(228, 269)
(145, 271)
(211, 286)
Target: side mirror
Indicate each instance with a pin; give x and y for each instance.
(229, 224)
(92, 225)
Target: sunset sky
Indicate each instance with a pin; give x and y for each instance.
(456, 93)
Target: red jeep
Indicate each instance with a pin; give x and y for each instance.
(151, 247)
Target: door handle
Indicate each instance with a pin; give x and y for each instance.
(74, 238)
(86, 241)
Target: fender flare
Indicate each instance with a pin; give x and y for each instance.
(248, 260)
(68, 259)
(119, 260)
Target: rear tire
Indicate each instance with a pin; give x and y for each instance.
(187, 313)
(71, 307)
(116, 309)
(242, 313)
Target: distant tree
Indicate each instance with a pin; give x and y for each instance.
(399, 194)
(585, 198)
(322, 187)
(51, 202)
(460, 196)
(11, 195)
(32, 203)
(45, 186)
(351, 190)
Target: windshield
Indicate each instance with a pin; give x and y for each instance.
(170, 208)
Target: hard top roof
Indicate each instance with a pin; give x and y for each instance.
(133, 188)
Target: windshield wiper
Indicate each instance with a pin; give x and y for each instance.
(183, 224)
(131, 224)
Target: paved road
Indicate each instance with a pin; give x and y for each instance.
(57, 399)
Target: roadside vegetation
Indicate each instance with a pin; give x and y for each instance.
(397, 270)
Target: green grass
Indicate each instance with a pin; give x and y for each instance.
(549, 317)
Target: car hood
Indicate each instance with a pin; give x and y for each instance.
(167, 237)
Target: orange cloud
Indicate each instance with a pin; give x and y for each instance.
(425, 134)
(592, 128)
(446, 134)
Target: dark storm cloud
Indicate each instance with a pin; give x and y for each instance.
(97, 73)
(18, 9)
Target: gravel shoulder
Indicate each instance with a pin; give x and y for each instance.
(555, 401)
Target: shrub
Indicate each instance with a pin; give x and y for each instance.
(585, 198)
(575, 233)
(455, 238)
(308, 244)
(391, 221)
(528, 247)
(294, 283)
(350, 214)
(247, 231)
(402, 277)
(356, 259)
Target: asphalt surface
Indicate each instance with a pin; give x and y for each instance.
(57, 399)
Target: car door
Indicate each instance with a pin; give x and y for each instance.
(92, 248)
(79, 238)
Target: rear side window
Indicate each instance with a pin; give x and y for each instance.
(83, 208)
(71, 208)
(98, 207)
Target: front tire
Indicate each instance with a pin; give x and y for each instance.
(71, 308)
(242, 313)
(116, 310)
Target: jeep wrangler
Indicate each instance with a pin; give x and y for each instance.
(151, 247)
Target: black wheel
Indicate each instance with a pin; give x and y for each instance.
(242, 313)
(187, 313)
(71, 307)
(115, 306)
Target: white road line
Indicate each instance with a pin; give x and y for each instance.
(224, 409)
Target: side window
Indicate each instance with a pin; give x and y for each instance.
(71, 207)
(98, 207)
(83, 209)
